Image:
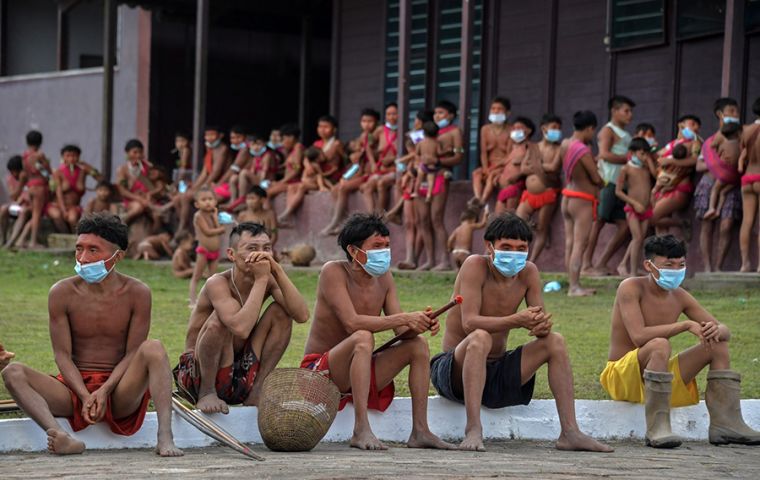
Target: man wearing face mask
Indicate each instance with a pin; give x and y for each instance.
(475, 368)
(495, 146)
(640, 367)
(356, 298)
(109, 370)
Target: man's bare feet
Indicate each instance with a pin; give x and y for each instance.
(367, 441)
(442, 267)
(622, 270)
(210, 403)
(579, 441)
(61, 443)
(35, 246)
(745, 268)
(166, 448)
(405, 265)
(580, 292)
(427, 440)
(425, 266)
(473, 441)
(594, 272)
(253, 396)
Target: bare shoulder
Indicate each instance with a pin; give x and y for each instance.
(333, 269)
(530, 273)
(685, 298)
(631, 286)
(136, 288)
(474, 267)
(62, 288)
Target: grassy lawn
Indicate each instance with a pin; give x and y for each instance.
(26, 277)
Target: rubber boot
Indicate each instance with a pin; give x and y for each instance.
(657, 390)
(722, 399)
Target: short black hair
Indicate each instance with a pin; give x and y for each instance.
(691, 117)
(71, 148)
(213, 128)
(203, 189)
(550, 118)
(448, 106)
(329, 119)
(182, 236)
(618, 101)
(425, 115)
(33, 138)
(730, 129)
(182, 134)
(370, 112)
(666, 246)
(133, 143)
(469, 214)
(508, 225)
(104, 184)
(645, 127)
(242, 130)
(15, 163)
(756, 106)
(252, 228)
(107, 226)
(638, 143)
(528, 123)
(312, 153)
(290, 130)
(258, 191)
(584, 119)
(504, 101)
(430, 129)
(722, 103)
(255, 137)
(390, 104)
(680, 151)
(358, 228)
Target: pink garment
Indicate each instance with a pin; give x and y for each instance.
(727, 174)
(575, 151)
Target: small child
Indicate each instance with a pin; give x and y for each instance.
(102, 202)
(460, 240)
(428, 151)
(256, 212)
(184, 152)
(667, 179)
(312, 178)
(153, 247)
(634, 187)
(729, 149)
(209, 233)
(18, 207)
(182, 265)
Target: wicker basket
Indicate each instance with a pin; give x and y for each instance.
(296, 409)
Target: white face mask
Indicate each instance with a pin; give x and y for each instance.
(497, 118)
(517, 136)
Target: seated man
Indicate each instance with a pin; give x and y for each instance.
(231, 346)
(351, 296)
(644, 318)
(109, 370)
(475, 368)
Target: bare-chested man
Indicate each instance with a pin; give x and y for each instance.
(355, 299)
(494, 148)
(579, 197)
(109, 370)
(749, 167)
(475, 368)
(231, 346)
(70, 181)
(644, 318)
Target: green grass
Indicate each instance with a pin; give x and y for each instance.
(26, 277)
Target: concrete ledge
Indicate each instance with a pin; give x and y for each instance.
(537, 421)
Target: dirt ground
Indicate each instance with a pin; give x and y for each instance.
(513, 459)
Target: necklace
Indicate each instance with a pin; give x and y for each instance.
(232, 279)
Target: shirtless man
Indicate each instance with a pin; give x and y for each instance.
(355, 299)
(644, 318)
(579, 197)
(109, 370)
(375, 190)
(132, 181)
(613, 143)
(511, 180)
(494, 148)
(542, 183)
(70, 179)
(475, 368)
(231, 346)
(749, 167)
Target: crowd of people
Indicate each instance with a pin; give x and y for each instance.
(633, 182)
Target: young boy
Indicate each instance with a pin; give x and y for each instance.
(38, 173)
(495, 146)
(183, 149)
(333, 151)
(648, 133)
(256, 212)
(634, 187)
(613, 143)
(18, 207)
(749, 166)
(102, 201)
(293, 151)
(729, 149)
(311, 179)
(260, 170)
(427, 151)
(208, 231)
(70, 179)
(182, 265)
(226, 189)
(460, 240)
(511, 181)
(579, 197)
(153, 247)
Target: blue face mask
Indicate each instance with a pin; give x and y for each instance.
(238, 146)
(651, 141)
(257, 153)
(400, 166)
(730, 120)
(509, 263)
(688, 133)
(444, 122)
(94, 272)
(553, 135)
(669, 279)
(273, 146)
(214, 144)
(497, 118)
(636, 161)
(518, 136)
(390, 126)
(378, 261)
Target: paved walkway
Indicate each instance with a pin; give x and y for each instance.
(511, 459)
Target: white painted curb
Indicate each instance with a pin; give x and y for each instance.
(538, 421)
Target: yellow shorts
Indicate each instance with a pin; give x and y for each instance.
(622, 380)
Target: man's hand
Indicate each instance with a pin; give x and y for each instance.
(544, 327)
(710, 331)
(696, 329)
(528, 318)
(259, 263)
(5, 357)
(94, 408)
(418, 322)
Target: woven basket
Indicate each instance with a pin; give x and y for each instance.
(296, 409)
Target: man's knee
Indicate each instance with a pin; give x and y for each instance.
(555, 343)
(152, 350)
(658, 348)
(13, 374)
(419, 347)
(363, 340)
(479, 342)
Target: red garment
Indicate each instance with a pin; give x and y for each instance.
(72, 177)
(233, 383)
(223, 191)
(749, 179)
(378, 400)
(511, 191)
(538, 200)
(208, 161)
(210, 256)
(641, 216)
(683, 187)
(438, 187)
(121, 426)
(582, 196)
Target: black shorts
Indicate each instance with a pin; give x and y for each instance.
(610, 206)
(503, 387)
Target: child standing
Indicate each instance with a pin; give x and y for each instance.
(208, 232)
(460, 240)
(428, 151)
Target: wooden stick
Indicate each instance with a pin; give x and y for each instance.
(456, 301)
(9, 406)
(210, 428)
